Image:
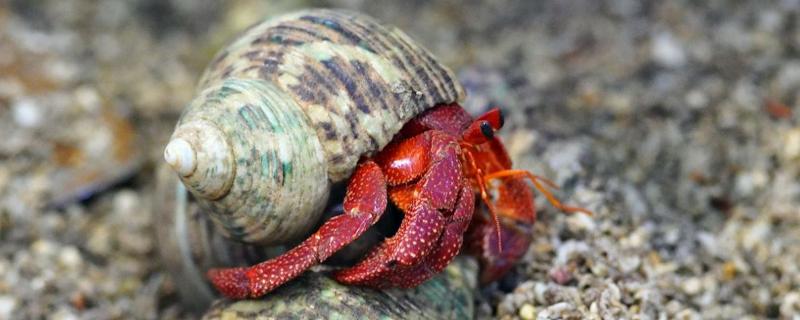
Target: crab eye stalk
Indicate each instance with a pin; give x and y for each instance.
(480, 131)
(487, 130)
(483, 128)
(494, 117)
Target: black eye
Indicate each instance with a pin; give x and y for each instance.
(487, 130)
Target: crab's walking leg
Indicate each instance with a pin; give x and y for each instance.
(364, 203)
(436, 191)
(537, 183)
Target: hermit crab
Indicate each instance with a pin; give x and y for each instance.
(307, 101)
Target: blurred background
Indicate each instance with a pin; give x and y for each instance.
(674, 121)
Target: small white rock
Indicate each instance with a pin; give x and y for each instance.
(556, 311)
(692, 286)
(755, 234)
(750, 181)
(790, 306)
(99, 242)
(634, 200)
(688, 314)
(791, 145)
(540, 290)
(579, 222)
(70, 258)
(7, 306)
(599, 269)
(628, 264)
(63, 313)
(570, 249)
(667, 51)
(527, 312)
(27, 113)
(43, 248)
(128, 204)
(88, 98)
(696, 99)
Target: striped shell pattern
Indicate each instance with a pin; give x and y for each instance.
(287, 110)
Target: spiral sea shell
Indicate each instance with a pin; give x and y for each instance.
(287, 110)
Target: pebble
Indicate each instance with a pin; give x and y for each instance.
(789, 75)
(599, 269)
(527, 312)
(750, 181)
(619, 103)
(636, 238)
(622, 101)
(564, 159)
(88, 98)
(667, 51)
(561, 275)
(580, 223)
(539, 290)
(692, 286)
(27, 113)
(755, 234)
(697, 99)
(634, 201)
(559, 310)
(43, 248)
(126, 203)
(99, 241)
(791, 144)
(728, 271)
(570, 250)
(8, 304)
(790, 305)
(688, 314)
(70, 257)
(629, 263)
(63, 313)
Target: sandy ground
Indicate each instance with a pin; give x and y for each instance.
(673, 121)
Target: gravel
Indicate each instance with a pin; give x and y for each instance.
(674, 122)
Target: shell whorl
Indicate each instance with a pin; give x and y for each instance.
(200, 153)
(258, 164)
(357, 80)
(349, 85)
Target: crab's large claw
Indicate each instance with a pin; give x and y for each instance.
(447, 247)
(514, 205)
(436, 213)
(481, 242)
(364, 203)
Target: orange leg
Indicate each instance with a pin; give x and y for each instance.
(538, 183)
(484, 194)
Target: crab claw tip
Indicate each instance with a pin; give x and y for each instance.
(231, 282)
